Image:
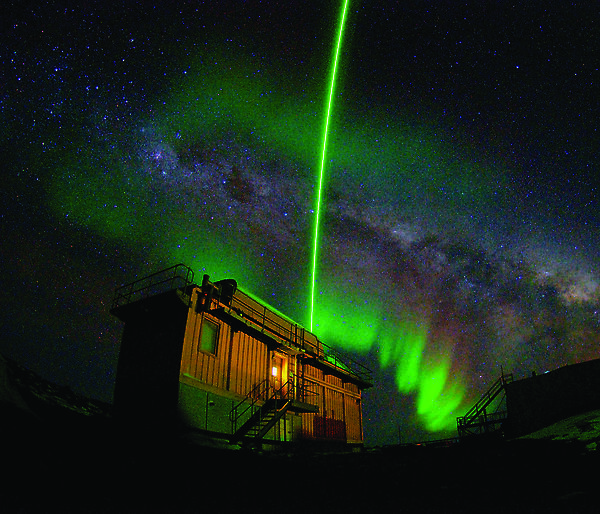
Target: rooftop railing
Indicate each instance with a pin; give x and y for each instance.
(175, 277)
(268, 321)
(290, 333)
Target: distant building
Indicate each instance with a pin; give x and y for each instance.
(543, 399)
(224, 363)
(513, 408)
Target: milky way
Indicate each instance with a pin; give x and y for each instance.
(444, 258)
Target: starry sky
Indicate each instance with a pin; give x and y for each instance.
(459, 224)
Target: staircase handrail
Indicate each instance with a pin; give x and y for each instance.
(487, 398)
(304, 391)
(258, 393)
(255, 394)
(284, 392)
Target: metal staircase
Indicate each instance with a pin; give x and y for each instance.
(477, 420)
(260, 417)
(259, 424)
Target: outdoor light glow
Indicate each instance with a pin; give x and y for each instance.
(322, 167)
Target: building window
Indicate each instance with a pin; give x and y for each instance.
(208, 337)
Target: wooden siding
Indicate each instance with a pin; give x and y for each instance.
(353, 413)
(312, 372)
(334, 381)
(249, 363)
(339, 403)
(334, 404)
(240, 362)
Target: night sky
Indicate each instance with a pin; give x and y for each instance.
(459, 227)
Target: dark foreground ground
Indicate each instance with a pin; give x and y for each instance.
(61, 459)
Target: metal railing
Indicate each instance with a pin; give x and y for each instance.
(487, 397)
(343, 361)
(264, 318)
(293, 334)
(478, 416)
(261, 392)
(305, 393)
(175, 277)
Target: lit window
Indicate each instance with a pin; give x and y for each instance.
(208, 337)
(274, 371)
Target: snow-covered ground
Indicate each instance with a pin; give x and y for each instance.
(582, 428)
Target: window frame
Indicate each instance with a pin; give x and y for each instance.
(215, 343)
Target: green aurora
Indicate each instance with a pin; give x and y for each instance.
(111, 190)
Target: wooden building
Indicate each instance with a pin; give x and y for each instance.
(223, 362)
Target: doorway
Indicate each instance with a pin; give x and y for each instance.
(279, 374)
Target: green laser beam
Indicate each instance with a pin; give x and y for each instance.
(322, 169)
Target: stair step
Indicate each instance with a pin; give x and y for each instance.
(265, 417)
